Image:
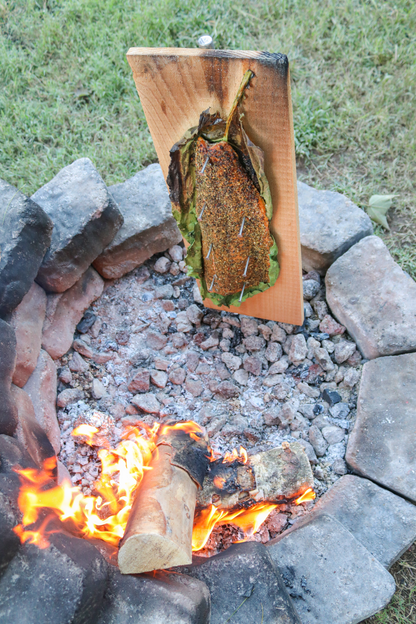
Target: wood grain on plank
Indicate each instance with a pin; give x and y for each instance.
(175, 85)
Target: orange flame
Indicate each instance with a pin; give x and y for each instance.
(234, 456)
(190, 427)
(249, 520)
(87, 432)
(213, 456)
(219, 482)
(103, 516)
(309, 495)
(34, 537)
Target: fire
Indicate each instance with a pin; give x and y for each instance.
(190, 427)
(104, 515)
(309, 495)
(219, 482)
(234, 456)
(34, 537)
(87, 432)
(249, 520)
(213, 456)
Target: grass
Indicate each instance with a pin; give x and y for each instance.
(67, 91)
(402, 608)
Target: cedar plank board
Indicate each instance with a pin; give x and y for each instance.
(176, 84)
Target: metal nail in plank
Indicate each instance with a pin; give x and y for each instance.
(209, 252)
(204, 165)
(202, 212)
(245, 270)
(212, 283)
(242, 292)
(242, 226)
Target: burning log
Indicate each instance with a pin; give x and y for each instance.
(159, 530)
(277, 475)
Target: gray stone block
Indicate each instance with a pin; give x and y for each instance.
(9, 542)
(375, 300)
(62, 584)
(8, 413)
(12, 453)
(27, 321)
(29, 433)
(25, 235)
(383, 441)
(383, 522)
(330, 576)
(65, 310)
(157, 598)
(329, 225)
(41, 388)
(85, 218)
(149, 226)
(244, 581)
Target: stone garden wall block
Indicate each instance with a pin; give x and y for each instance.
(374, 298)
(12, 453)
(383, 442)
(65, 310)
(25, 235)
(30, 434)
(8, 412)
(383, 522)
(329, 225)
(330, 576)
(243, 577)
(9, 541)
(85, 218)
(27, 321)
(157, 598)
(41, 388)
(62, 584)
(149, 226)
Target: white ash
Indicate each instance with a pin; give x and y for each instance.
(249, 382)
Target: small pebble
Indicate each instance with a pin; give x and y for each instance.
(331, 397)
(162, 265)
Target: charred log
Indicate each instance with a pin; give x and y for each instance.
(277, 475)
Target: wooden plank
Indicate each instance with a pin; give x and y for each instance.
(175, 85)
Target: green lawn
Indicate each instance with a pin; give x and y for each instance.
(67, 91)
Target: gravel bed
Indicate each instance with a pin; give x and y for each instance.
(148, 350)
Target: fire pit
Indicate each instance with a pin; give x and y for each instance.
(151, 378)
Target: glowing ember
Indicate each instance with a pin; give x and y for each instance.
(219, 482)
